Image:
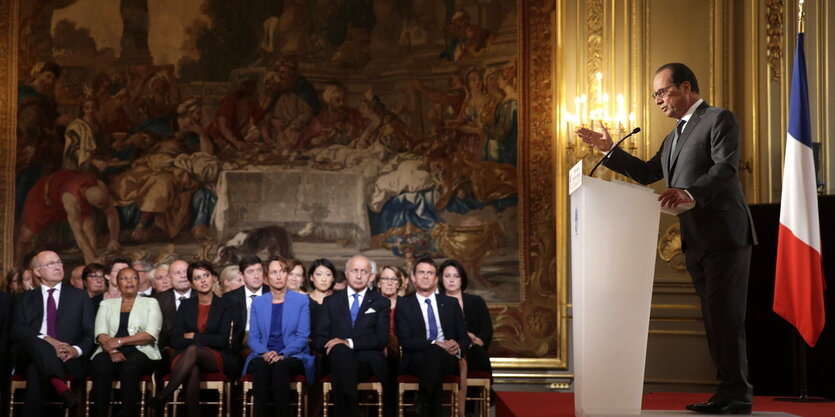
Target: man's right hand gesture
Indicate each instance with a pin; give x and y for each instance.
(600, 140)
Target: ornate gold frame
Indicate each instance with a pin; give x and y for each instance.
(536, 327)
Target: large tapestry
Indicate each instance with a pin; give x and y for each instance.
(205, 128)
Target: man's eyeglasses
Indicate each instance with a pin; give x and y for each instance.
(51, 264)
(662, 92)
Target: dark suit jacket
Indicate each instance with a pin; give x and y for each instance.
(168, 307)
(411, 329)
(216, 336)
(478, 318)
(370, 332)
(705, 163)
(74, 325)
(5, 324)
(237, 298)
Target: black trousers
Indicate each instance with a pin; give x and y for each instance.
(271, 381)
(104, 371)
(478, 359)
(349, 367)
(720, 278)
(430, 366)
(38, 359)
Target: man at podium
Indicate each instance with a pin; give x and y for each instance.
(698, 161)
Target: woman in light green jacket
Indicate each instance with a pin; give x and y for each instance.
(126, 331)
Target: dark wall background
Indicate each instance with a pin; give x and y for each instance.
(773, 347)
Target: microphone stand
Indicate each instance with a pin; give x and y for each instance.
(634, 131)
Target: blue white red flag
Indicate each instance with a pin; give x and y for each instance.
(799, 282)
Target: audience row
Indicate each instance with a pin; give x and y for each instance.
(252, 319)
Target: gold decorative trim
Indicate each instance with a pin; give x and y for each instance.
(774, 37)
(595, 19)
(531, 375)
(536, 329)
(700, 333)
(8, 124)
(669, 248)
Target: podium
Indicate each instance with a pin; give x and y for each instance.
(614, 232)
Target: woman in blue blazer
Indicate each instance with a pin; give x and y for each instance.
(278, 332)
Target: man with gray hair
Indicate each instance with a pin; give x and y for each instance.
(143, 268)
(351, 331)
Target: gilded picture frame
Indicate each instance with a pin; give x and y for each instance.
(533, 331)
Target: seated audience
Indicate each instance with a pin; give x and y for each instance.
(200, 336)
(5, 343)
(339, 282)
(169, 302)
(431, 330)
(231, 279)
(53, 325)
(75, 277)
(126, 331)
(144, 269)
(321, 275)
(352, 331)
(93, 277)
(295, 278)
(110, 271)
(14, 282)
(160, 279)
(476, 314)
(278, 338)
(253, 273)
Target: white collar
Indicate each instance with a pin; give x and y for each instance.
(256, 293)
(422, 299)
(351, 292)
(177, 295)
(692, 110)
(57, 287)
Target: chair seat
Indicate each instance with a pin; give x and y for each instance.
(210, 377)
(143, 378)
(293, 378)
(22, 377)
(411, 379)
(479, 375)
(372, 378)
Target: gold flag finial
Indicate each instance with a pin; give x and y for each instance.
(801, 18)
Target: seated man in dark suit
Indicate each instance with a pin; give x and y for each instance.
(253, 271)
(352, 331)
(169, 302)
(432, 333)
(54, 326)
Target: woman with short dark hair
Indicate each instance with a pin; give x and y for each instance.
(453, 280)
(126, 331)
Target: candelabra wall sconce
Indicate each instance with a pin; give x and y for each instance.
(588, 112)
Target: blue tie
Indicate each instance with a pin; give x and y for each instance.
(430, 315)
(355, 308)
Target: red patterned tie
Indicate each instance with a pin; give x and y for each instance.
(51, 314)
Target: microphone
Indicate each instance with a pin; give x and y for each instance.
(634, 131)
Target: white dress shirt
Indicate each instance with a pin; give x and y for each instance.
(248, 297)
(422, 302)
(177, 296)
(361, 297)
(56, 295)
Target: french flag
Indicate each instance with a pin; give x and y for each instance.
(799, 283)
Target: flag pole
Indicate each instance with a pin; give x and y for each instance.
(800, 342)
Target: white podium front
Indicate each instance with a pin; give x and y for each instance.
(614, 230)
